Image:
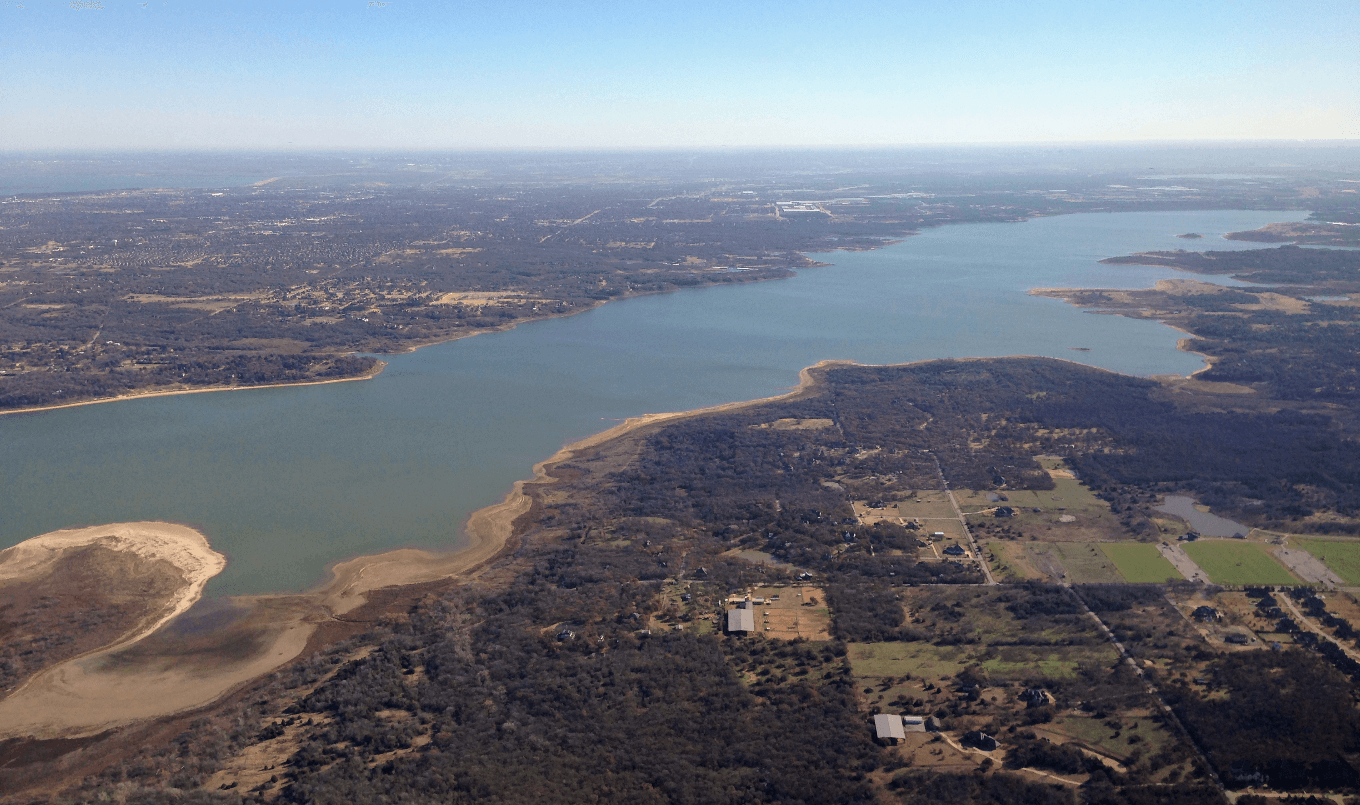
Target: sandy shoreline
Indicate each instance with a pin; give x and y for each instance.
(381, 364)
(1068, 295)
(99, 690)
(95, 692)
(73, 695)
(178, 392)
(179, 545)
(490, 528)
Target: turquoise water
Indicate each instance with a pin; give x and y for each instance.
(287, 481)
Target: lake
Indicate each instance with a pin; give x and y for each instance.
(286, 481)
(1209, 525)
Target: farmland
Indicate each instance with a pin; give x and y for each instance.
(1342, 557)
(1140, 562)
(1238, 562)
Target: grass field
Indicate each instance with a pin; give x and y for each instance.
(1238, 562)
(1069, 512)
(1098, 735)
(1342, 557)
(1013, 562)
(1140, 562)
(1003, 663)
(1081, 562)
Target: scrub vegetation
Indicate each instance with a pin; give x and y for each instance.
(589, 660)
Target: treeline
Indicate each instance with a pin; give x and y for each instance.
(732, 481)
(1285, 265)
(182, 370)
(1119, 431)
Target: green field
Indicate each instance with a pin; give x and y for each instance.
(1012, 561)
(935, 663)
(1140, 562)
(1342, 557)
(1098, 735)
(1083, 562)
(1237, 562)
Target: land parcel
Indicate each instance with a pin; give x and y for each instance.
(979, 627)
(1069, 512)
(1343, 558)
(1074, 562)
(1140, 562)
(1238, 562)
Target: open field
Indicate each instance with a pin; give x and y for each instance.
(1238, 562)
(1343, 558)
(1106, 738)
(1011, 561)
(926, 503)
(1140, 562)
(1077, 562)
(783, 614)
(1070, 512)
(930, 663)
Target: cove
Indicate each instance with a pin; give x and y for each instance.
(287, 481)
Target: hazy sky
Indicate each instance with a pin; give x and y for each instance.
(406, 74)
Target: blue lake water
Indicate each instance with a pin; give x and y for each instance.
(286, 481)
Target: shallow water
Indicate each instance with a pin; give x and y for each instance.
(286, 481)
(1210, 525)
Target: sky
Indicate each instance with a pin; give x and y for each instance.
(362, 74)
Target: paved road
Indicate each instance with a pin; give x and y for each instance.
(1309, 568)
(1177, 556)
(1151, 688)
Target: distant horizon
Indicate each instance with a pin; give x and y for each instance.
(536, 75)
(643, 149)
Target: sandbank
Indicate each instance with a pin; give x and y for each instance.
(377, 370)
(181, 546)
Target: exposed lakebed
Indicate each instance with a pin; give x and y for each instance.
(286, 481)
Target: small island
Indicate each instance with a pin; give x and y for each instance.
(1190, 236)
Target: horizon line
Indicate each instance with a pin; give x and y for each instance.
(861, 147)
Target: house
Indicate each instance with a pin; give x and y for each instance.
(741, 620)
(1205, 614)
(979, 740)
(933, 724)
(888, 728)
(954, 550)
(913, 724)
(1036, 697)
(1003, 511)
(1236, 638)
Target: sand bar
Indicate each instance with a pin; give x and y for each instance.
(181, 546)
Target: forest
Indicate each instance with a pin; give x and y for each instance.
(588, 662)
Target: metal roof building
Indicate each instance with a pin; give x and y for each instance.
(888, 727)
(741, 620)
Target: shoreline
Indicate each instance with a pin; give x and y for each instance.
(99, 690)
(377, 370)
(491, 528)
(417, 345)
(1067, 295)
(183, 547)
(105, 688)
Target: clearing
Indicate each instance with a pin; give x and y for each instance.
(1238, 562)
(1140, 562)
(1343, 558)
